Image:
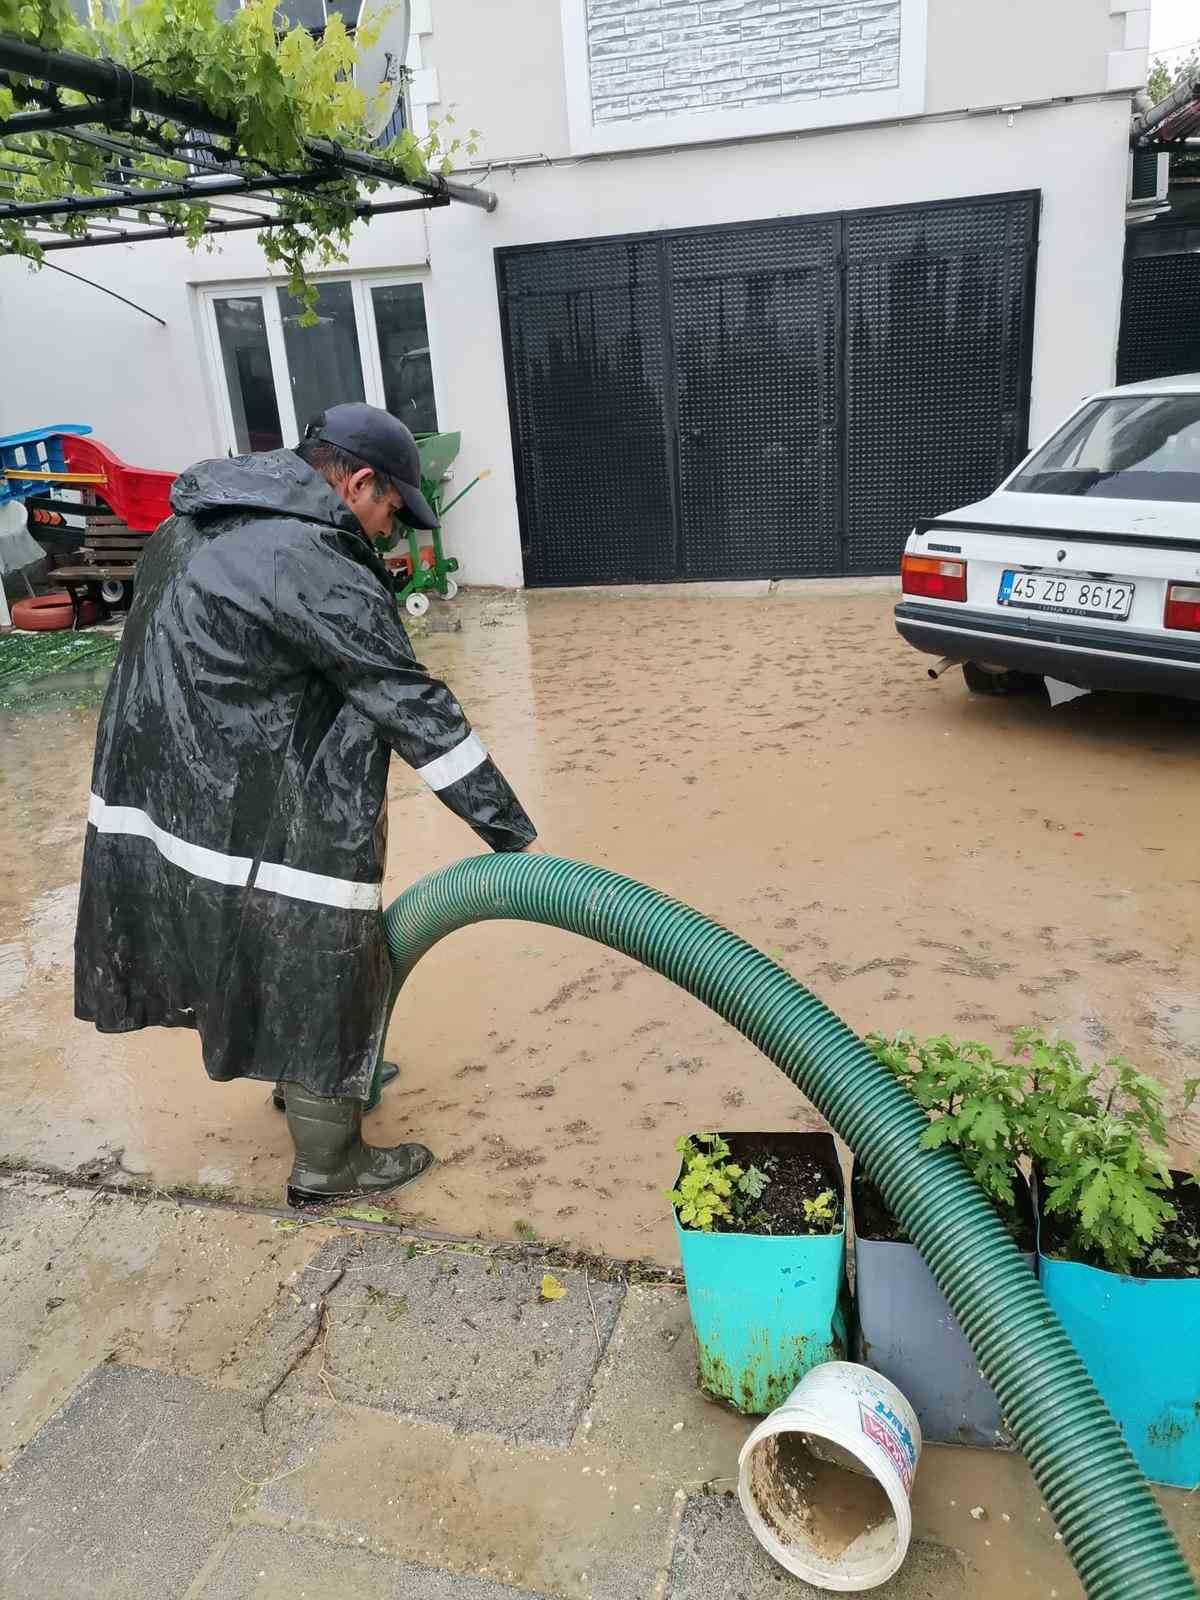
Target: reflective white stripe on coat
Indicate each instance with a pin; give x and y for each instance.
(234, 870)
(455, 764)
(193, 858)
(325, 891)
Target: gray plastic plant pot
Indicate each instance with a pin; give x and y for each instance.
(907, 1332)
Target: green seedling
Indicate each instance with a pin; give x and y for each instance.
(713, 1189)
(821, 1213)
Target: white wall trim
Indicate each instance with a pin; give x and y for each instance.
(696, 127)
(1128, 65)
(422, 89)
(1137, 29)
(1128, 69)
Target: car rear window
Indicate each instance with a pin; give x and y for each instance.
(1144, 447)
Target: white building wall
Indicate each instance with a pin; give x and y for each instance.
(503, 68)
(1075, 155)
(69, 354)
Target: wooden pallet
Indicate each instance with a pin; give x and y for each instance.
(110, 550)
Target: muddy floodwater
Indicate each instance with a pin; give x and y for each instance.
(922, 859)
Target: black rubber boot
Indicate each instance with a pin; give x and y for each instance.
(388, 1073)
(332, 1162)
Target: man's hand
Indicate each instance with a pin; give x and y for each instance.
(536, 848)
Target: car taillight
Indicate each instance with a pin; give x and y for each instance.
(1183, 607)
(934, 577)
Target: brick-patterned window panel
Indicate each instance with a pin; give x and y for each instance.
(660, 57)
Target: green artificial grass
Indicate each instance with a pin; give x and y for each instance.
(30, 663)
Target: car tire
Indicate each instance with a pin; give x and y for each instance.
(44, 613)
(984, 680)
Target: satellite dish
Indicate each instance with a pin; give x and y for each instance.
(380, 66)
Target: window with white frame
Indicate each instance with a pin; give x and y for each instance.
(370, 342)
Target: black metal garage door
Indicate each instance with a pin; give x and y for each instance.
(1160, 314)
(776, 399)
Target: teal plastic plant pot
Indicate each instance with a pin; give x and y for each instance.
(907, 1331)
(1140, 1340)
(767, 1308)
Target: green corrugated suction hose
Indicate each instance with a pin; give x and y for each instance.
(1110, 1522)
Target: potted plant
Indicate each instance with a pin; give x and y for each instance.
(1119, 1252)
(906, 1330)
(761, 1220)
(1118, 1238)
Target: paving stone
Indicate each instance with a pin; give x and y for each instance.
(125, 1490)
(716, 1557)
(264, 1564)
(37, 1226)
(646, 1403)
(589, 1524)
(178, 1288)
(461, 1340)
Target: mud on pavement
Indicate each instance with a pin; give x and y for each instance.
(196, 1402)
(921, 859)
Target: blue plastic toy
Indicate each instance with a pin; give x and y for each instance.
(39, 450)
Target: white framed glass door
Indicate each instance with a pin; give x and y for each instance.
(272, 374)
(324, 362)
(401, 347)
(248, 348)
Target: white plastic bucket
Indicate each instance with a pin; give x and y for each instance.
(825, 1480)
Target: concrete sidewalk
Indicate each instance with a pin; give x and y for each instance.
(198, 1403)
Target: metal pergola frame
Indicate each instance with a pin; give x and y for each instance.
(127, 116)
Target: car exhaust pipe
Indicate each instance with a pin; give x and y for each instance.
(944, 665)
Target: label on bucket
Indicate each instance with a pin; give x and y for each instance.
(881, 1424)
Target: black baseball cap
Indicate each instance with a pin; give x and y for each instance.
(380, 440)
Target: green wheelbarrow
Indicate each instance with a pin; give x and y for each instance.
(428, 578)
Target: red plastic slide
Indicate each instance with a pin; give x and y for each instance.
(138, 495)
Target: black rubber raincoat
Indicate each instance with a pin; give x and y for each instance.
(238, 818)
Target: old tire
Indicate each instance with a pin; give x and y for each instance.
(44, 613)
(982, 680)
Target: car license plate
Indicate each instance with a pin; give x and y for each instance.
(1073, 597)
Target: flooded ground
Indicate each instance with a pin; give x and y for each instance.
(920, 858)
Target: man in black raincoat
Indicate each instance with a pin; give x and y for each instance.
(238, 817)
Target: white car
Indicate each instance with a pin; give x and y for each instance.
(1084, 566)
